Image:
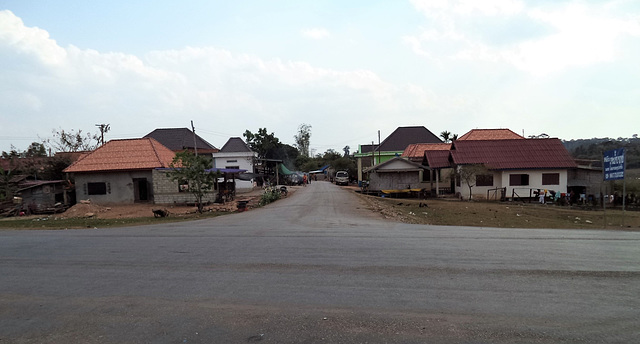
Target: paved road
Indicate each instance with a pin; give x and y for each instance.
(318, 268)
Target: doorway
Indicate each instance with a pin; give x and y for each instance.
(140, 189)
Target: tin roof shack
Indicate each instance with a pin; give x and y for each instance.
(396, 176)
(44, 196)
(392, 146)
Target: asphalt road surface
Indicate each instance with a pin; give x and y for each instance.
(318, 268)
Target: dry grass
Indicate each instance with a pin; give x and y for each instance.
(499, 214)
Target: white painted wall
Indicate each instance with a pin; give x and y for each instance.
(501, 179)
(244, 161)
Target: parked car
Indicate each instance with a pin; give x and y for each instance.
(342, 178)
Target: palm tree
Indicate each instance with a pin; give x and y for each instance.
(446, 136)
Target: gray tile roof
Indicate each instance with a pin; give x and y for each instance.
(235, 145)
(404, 136)
(178, 139)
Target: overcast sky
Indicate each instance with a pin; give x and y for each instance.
(570, 69)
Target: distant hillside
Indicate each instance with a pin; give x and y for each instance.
(592, 149)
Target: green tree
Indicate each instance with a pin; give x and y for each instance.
(303, 139)
(35, 149)
(193, 169)
(6, 192)
(263, 143)
(448, 137)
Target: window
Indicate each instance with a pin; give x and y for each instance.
(551, 179)
(484, 180)
(183, 186)
(97, 188)
(233, 167)
(518, 179)
(228, 161)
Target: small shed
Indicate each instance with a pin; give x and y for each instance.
(396, 175)
(44, 196)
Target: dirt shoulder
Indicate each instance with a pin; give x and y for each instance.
(453, 212)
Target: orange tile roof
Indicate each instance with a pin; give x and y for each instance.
(416, 150)
(490, 134)
(124, 155)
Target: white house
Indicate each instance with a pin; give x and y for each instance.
(517, 167)
(236, 154)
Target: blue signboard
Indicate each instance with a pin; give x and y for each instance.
(614, 164)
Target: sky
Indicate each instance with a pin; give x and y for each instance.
(568, 69)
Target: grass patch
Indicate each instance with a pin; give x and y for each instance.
(500, 214)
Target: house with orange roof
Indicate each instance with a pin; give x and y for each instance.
(490, 134)
(128, 171)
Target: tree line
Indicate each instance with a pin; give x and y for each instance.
(592, 149)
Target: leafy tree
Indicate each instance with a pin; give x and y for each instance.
(303, 139)
(72, 141)
(193, 168)
(468, 173)
(13, 153)
(262, 143)
(35, 149)
(5, 187)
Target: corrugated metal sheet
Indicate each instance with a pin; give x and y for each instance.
(437, 159)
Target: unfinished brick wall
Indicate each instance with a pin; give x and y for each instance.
(165, 191)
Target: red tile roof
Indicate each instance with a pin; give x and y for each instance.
(124, 155)
(490, 134)
(415, 151)
(513, 154)
(437, 158)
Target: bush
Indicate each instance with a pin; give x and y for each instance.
(270, 194)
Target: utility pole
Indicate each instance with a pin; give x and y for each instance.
(104, 128)
(195, 145)
(379, 147)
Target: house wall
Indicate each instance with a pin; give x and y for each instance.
(39, 198)
(120, 186)
(394, 180)
(166, 191)
(501, 180)
(589, 178)
(242, 160)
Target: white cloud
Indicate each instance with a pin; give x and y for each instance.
(577, 35)
(218, 89)
(316, 33)
(30, 41)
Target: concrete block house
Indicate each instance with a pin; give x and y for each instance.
(128, 171)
